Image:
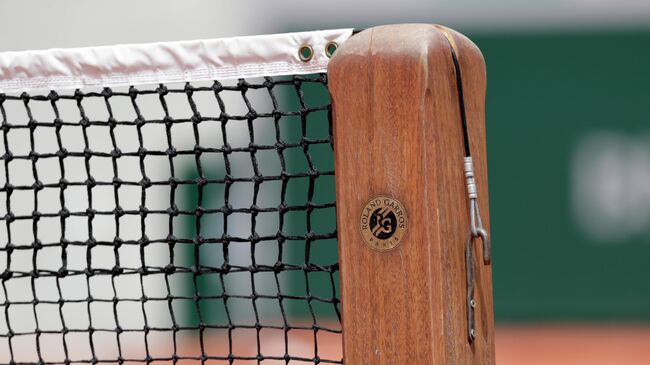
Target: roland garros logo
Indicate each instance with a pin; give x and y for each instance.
(383, 223)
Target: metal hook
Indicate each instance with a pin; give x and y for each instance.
(487, 245)
(476, 230)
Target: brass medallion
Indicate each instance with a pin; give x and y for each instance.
(383, 223)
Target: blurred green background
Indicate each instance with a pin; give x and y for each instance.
(568, 122)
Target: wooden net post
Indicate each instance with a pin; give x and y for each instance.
(402, 205)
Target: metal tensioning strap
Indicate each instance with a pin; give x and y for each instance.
(476, 225)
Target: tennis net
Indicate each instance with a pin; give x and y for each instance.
(190, 220)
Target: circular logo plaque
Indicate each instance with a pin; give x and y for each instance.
(383, 223)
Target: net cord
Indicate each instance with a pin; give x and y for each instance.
(167, 62)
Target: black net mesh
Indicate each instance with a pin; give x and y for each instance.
(175, 223)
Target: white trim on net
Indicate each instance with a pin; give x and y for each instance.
(154, 63)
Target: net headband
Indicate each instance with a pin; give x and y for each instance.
(167, 62)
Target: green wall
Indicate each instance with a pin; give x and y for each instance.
(546, 95)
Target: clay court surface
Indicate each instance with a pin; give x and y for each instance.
(555, 344)
(572, 345)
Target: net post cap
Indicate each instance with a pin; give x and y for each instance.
(395, 39)
(406, 44)
(405, 40)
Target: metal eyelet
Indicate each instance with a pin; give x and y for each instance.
(306, 53)
(330, 48)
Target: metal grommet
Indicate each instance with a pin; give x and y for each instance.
(330, 48)
(305, 52)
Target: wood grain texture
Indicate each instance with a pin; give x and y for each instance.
(398, 132)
